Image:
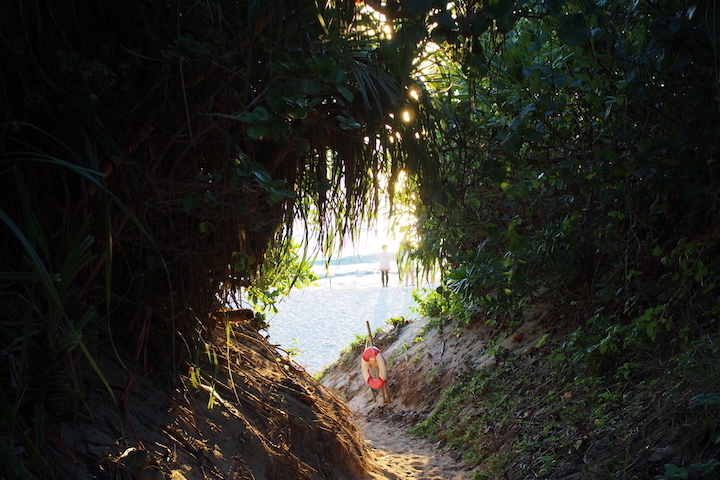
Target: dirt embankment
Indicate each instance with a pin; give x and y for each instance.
(243, 411)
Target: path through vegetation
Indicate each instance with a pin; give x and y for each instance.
(399, 456)
(418, 372)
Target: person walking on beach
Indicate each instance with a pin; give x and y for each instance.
(384, 266)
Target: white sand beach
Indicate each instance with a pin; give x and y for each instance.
(320, 321)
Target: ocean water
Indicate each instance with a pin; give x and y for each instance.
(322, 320)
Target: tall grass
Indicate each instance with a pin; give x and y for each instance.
(45, 321)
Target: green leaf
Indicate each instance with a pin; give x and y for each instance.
(247, 117)
(261, 114)
(347, 123)
(519, 242)
(346, 93)
(189, 203)
(310, 87)
(298, 112)
(339, 76)
(263, 177)
(256, 131)
(559, 79)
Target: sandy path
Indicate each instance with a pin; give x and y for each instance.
(396, 455)
(400, 457)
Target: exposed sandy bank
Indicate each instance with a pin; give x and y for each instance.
(421, 364)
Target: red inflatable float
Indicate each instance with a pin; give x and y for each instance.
(373, 357)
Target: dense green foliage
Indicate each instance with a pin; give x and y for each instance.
(578, 150)
(579, 160)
